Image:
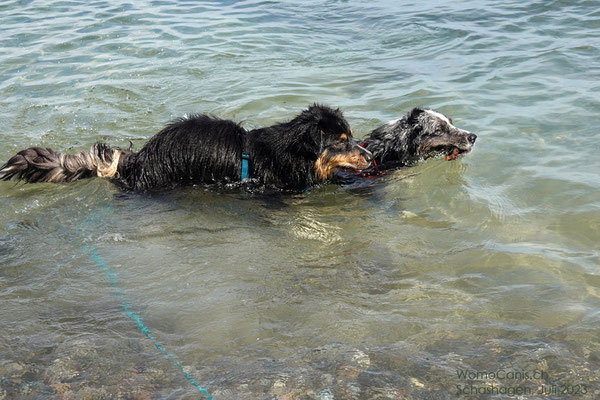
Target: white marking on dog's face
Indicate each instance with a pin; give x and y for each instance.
(440, 116)
(445, 119)
(393, 122)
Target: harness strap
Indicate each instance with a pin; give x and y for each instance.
(245, 166)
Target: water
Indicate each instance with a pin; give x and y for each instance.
(391, 290)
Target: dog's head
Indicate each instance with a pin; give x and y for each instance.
(439, 135)
(420, 134)
(332, 139)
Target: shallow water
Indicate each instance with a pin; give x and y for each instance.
(391, 289)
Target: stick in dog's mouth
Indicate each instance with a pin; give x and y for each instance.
(450, 152)
(456, 152)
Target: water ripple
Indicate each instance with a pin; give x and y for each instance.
(379, 290)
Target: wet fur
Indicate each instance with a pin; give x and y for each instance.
(38, 164)
(205, 150)
(419, 134)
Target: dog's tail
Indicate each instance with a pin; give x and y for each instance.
(38, 164)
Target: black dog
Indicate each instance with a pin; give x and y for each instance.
(420, 134)
(205, 150)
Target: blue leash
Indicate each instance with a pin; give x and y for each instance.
(111, 277)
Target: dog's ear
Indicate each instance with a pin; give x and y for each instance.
(415, 129)
(321, 119)
(413, 115)
(315, 124)
(329, 119)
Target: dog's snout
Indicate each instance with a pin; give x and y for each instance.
(471, 138)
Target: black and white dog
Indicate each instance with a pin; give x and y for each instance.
(420, 134)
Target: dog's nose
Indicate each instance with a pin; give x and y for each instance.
(471, 138)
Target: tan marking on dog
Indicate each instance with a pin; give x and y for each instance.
(109, 170)
(325, 165)
(343, 136)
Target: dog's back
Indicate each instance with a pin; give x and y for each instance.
(192, 150)
(197, 149)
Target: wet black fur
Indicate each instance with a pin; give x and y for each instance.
(38, 164)
(205, 150)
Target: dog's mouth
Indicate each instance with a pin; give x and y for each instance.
(452, 152)
(355, 164)
(449, 151)
(450, 146)
(326, 165)
(351, 168)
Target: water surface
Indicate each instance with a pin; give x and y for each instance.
(392, 289)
